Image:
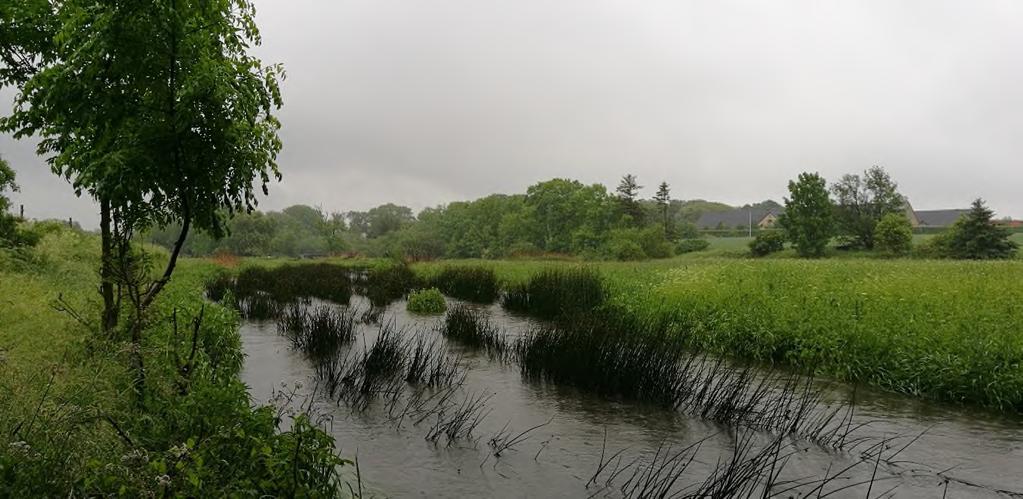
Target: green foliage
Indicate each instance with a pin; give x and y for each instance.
(26, 38)
(691, 246)
(766, 243)
(893, 235)
(296, 231)
(975, 237)
(380, 221)
(808, 216)
(165, 121)
(561, 208)
(426, 301)
(861, 202)
(8, 224)
(625, 248)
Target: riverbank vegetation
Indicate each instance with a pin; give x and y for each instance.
(69, 418)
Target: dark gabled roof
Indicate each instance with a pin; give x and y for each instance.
(733, 218)
(939, 218)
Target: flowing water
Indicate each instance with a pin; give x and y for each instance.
(958, 452)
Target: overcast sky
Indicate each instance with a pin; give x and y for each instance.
(423, 102)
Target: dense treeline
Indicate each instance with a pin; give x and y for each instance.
(556, 216)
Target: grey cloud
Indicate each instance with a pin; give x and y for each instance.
(432, 101)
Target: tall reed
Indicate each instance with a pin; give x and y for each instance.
(320, 331)
(472, 327)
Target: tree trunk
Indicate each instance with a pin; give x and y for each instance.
(110, 312)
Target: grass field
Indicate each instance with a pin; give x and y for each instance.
(945, 330)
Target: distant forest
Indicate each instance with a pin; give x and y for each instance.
(556, 216)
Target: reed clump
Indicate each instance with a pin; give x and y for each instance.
(612, 355)
(320, 331)
(260, 307)
(475, 284)
(472, 327)
(555, 292)
(392, 360)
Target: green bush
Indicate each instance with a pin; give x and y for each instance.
(626, 250)
(893, 235)
(766, 243)
(638, 244)
(691, 245)
(426, 301)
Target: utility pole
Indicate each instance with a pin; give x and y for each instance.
(750, 223)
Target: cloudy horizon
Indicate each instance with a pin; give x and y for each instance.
(424, 103)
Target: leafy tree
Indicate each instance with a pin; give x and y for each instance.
(6, 184)
(628, 192)
(156, 110)
(387, 218)
(26, 38)
(560, 208)
(808, 219)
(894, 234)
(663, 200)
(862, 202)
(975, 237)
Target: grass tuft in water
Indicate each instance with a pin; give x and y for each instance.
(320, 331)
(472, 327)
